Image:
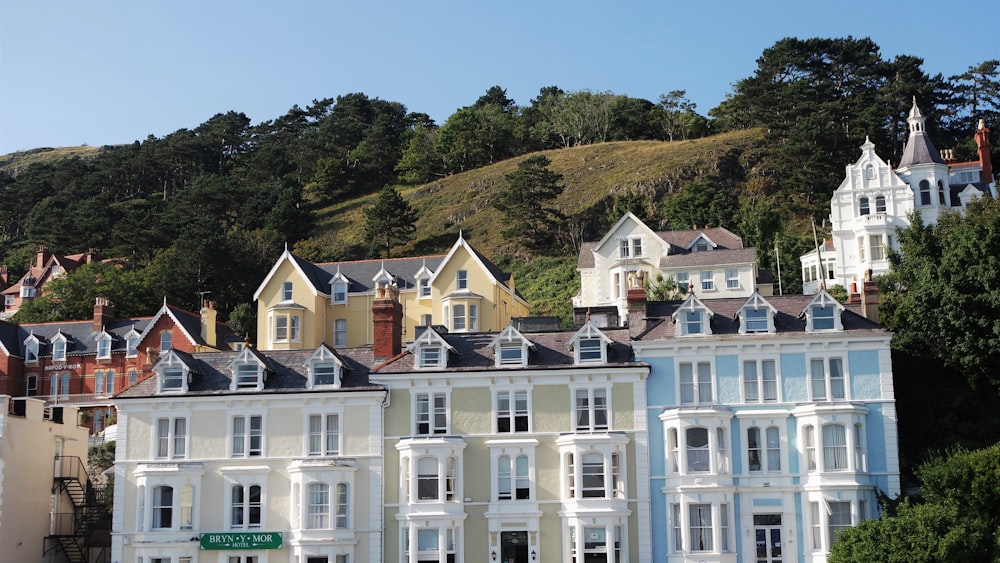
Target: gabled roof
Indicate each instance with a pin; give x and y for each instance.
(509, 335)
(188, 322)
(587, 331)
(610, 235)
(429, 336)
(499, 276)
(692, 303)
(288, 374)
(823, 299)
(755, 302)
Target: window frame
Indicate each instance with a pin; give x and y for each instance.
(436, 418)
(512, 419)
(287, 291)
(318, 436)
(339, 333)
(171, 442)
(694, 382)
(585, 414)
(707, 280)
(338, 292)
(827, 384)
(250, 512)
(462, 280)
(248, 442)
(732, 278)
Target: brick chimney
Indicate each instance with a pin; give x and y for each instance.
(636, 298)
(209, 318)
(983, 144)
(104, 311)
(43, 256)
(869, 299)
(387, 317)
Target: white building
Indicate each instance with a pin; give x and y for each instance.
(711, 261)
(874, 200)
(241, 457)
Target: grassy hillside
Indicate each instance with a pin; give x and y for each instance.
(593, 175)
(14, 162)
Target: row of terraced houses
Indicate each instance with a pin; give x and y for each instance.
(412, 410)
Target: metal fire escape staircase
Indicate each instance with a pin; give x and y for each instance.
(84, 535)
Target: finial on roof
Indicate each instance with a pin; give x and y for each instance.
(460, 236)
(164, 300)
(286, 246)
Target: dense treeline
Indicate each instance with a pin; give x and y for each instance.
(208, 209)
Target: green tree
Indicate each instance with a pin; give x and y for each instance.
(390, 221)
(978, 90)
(701, 203)
(72, 297)
(526, 203)
(942, 295)
(957, 521)
(664, 289)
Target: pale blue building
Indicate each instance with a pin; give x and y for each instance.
(772, 424)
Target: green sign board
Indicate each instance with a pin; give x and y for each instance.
(241, 540)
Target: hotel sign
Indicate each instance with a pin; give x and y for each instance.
(241, 540)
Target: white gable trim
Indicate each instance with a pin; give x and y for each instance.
(286, 255)
(611, 234)
(165, 310)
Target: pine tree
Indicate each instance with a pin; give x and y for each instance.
(390, 221)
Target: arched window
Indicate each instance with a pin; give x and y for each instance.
(342, 501)
(940, 192)
(925, 192)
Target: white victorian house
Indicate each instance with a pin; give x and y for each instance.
(874, 200)
(711, 262)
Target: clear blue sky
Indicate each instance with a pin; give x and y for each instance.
(114, 71)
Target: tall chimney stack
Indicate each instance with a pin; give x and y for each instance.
(636, 298)
(208, 321)
(869, 299)
(983, 145)
(104, 311)
(387, 317)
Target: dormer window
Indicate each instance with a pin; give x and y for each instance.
(429, 357)
(693, 318)
(339, 289)
(823, 313)
(590, 345)
(692, 321)
(324, 368)
(104, 346)
(132, 344)
(247, 375)
(27, 291)
(756, 315)
(172, 379)
(31, 349)
(59, 348)
(247, 371)
(756, 320)
(590, 349)
(286, 291)
(511, 348)
(425, 287)
(423, 279)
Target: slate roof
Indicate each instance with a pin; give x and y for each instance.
(79, 335)
(360, 273)
(473, 352)
(659, 325)
(287, 374)
(711, 258)
(680, 257)
(920, 150)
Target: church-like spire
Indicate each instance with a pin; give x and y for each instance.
(919, 148)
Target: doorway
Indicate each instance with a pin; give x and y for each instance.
(514, 547)
(767, 537)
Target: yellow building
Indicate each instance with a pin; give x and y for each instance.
(301, 305)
